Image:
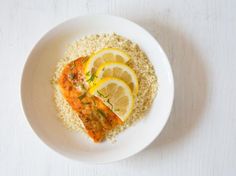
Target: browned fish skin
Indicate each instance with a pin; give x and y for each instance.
(97, 118)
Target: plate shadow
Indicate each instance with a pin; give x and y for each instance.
(191, 85)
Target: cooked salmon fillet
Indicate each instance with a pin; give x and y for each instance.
(97, 118)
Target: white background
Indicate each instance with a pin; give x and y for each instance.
(199, 39)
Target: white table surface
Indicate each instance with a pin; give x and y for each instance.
(199, 39)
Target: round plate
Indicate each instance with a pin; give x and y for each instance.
(37, 92)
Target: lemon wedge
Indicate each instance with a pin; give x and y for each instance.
(120, 71)
(115, 94)
(102, 56)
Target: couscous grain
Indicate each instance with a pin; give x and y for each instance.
(143, 68)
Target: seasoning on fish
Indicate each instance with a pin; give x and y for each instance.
(97, 118)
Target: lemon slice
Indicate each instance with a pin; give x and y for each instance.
(121, 71)
(115, 94)
(102, 56)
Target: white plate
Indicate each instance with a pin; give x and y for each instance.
(39, 108)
